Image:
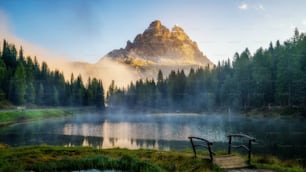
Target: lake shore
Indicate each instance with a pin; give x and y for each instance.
(267, 111)
(17, 115)
(55, 158)
(8, 117)
(52, 157)
(20, 115)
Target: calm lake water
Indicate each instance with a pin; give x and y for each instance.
(283, 137)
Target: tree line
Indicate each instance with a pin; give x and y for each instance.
(275, 76)
(23, 81)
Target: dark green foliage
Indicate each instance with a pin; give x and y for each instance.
(18, 85)
(271, 77)
(95, 93)
(3, 72)
(23, 81)
(9, 55)
(30, 93)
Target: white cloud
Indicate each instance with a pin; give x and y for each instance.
(304, 22)
(63, 63)
(243, 6)
(260, 7)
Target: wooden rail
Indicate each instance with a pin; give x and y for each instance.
(247, 147)
(197, 142)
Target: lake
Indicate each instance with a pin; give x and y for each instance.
(280, 136)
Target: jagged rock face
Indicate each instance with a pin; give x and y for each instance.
(158, 46)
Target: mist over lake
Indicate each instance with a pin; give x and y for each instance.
(283, 137)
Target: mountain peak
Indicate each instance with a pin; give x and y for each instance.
(155, 25)
(177, 28)
(157, 45)
(155, 29)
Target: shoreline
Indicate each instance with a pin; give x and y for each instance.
(46, 158)
(14, 116)
(273, 111)
(139, 155)
(9, 117)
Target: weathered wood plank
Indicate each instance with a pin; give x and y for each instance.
(230, 162)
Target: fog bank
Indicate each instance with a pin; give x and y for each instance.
(106, 69)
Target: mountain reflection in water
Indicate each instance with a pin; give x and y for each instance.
(279, 136)
(139, 133)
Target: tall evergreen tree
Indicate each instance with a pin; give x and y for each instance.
(242, 76)
(3, 73)
(40, 95)
(99, 98)
(18, 85)
(9, 55)
(30, 93)
(21, 57)
(262, 78)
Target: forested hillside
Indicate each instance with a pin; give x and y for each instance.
(23, 81)
(272, 77)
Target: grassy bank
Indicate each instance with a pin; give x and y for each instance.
(50, 158)
(15, 116)
(273, 163)
(47, 158)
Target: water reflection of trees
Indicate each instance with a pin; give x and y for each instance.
(278, 136)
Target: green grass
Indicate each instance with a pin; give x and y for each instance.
(273, 163)
(15, 116)
(54, 158)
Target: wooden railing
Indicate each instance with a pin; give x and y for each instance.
(247, 147)
(197, 142)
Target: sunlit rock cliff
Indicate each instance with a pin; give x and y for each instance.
(159, 48)
(156, 48)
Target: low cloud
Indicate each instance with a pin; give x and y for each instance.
(106, 70)
(243, 6)
(304, 22)
(260, 7)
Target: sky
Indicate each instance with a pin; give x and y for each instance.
(86, 30)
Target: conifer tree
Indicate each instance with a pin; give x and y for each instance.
(3, 73)
(9, 55)
(40, 95)
(18, 85)
(30, 93)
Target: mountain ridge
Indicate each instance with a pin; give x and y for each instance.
(157, 48)
(160, 46)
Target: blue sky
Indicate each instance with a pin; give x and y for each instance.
(86, 30)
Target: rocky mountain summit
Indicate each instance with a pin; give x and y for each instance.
(159, 47)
